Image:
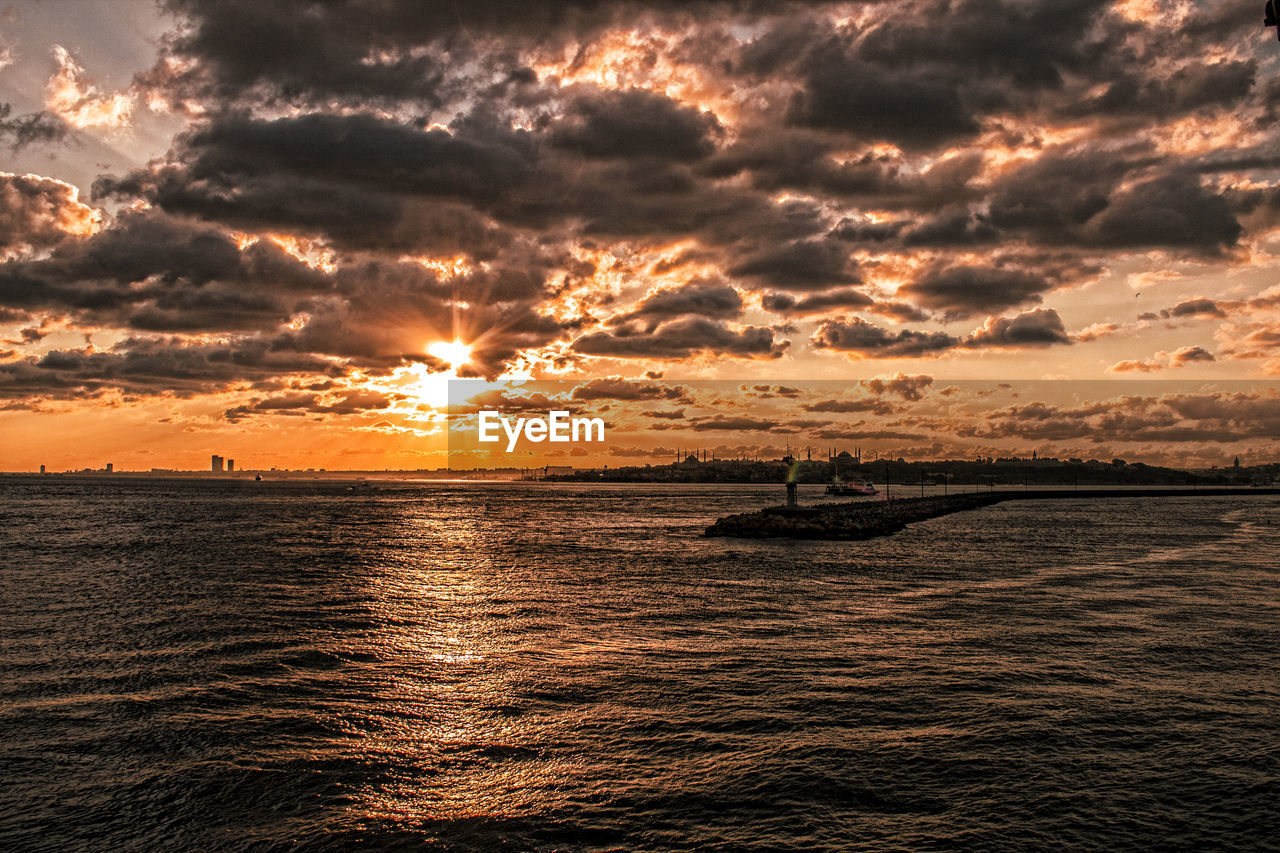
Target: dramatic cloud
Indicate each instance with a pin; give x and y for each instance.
(635, 123)
(148, 366)
(708, 299)
(859, 337)
(910, 388)
(874, 103)
(816, 303)
(328, 191)
(1040, 328)
(683, 338)
(1190, 308)
(1172, 418)
(964, 291)
(37, 213)
(72, 98)
(800, 265)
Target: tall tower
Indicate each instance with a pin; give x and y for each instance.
(216, 464)
(231, 465)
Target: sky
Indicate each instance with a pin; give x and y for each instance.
(276, 229)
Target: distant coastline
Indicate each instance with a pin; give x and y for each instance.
(899, 473)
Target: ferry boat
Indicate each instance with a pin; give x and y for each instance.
(852, 490)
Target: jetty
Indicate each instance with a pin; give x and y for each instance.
(865, 519)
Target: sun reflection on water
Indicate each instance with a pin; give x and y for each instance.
(449, 725)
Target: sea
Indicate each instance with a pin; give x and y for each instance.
(217, 665)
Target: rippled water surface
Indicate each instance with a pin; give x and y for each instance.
(230, 665)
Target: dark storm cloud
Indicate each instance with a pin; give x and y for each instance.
(1174, 211)
(1218, 85)
(866, 339)
(656, 200)
(305, 51)
(704, 298)
(799, 265)
(922, 77)
(913, 109)
(815, 303)
(152, 273)
(1193, 308)
(311, 52)
(964, 291)
(295, 50)
(359, 149)
(1078, 198)
(798, 159)
(390, 129)
(1060, 190)
(1026, 45)
(682, 338)
(149, 366)
(355, 178)
(899, 312)
(1040, 328)
(957, 227)
(635, 123)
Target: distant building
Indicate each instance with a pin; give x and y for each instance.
(110, 467)
(843, 456)
(217, 464)
(231, 465)
(41, 469)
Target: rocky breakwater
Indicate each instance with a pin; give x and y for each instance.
(848, 520)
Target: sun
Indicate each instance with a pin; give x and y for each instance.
(453, 353)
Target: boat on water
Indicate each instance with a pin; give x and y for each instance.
(848, 490)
